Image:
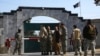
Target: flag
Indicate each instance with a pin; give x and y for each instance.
(76, 5)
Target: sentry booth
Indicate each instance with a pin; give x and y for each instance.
(31, 43)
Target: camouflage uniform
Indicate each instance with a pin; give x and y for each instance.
(49, 42)
(63, 31)
(18, 38)
(43, 40)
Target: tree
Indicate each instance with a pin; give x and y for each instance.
(97, 2)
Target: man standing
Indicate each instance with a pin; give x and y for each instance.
(18, 40)
(76, 37)
(57, 40)
(49, 40)
(89, 34)
(63, 31)
(43, 40)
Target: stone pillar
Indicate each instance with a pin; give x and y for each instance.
(2, 46)
(1, 34)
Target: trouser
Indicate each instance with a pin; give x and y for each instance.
(49, 47)
(57, 47)
(91, 44)
(64, 46)
(43, 45)
(77, 46)
(17, 48)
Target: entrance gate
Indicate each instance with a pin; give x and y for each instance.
(31, 43)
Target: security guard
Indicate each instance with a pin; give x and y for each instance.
(49, 40)
(43, 40)
(63, 31)
(18, 40)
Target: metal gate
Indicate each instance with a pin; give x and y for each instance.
(31, 43)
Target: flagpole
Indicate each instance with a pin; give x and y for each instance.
(80, 9)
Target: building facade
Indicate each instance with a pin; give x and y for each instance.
(11, 21)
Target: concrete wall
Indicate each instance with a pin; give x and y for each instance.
(97, 23)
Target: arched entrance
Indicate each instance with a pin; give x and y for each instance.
(28, 13)
(31, 41)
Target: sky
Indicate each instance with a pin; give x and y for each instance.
(88, 9)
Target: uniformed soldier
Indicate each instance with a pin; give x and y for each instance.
(43, 40)
(18, 40)
(63, 32)
(49, 40)
(57, 41)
